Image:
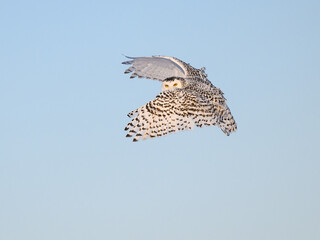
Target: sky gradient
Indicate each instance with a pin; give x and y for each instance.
(68, 172)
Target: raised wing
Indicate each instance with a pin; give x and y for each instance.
(160, 68)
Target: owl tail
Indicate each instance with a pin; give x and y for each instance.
(227, 123)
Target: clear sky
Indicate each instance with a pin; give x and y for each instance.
(66, 169)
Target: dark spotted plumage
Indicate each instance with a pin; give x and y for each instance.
(188, 99)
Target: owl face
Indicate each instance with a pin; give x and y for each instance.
(171, 84)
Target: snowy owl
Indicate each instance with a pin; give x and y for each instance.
(187, 99)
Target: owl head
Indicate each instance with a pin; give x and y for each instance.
(172, 83)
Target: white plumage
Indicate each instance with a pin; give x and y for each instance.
(187, 99)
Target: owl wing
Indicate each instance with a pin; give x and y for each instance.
(160, 68)
(171, 111)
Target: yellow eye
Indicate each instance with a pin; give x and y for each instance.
(176, 84)
(166, 85)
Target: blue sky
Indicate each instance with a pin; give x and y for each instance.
(68, 172)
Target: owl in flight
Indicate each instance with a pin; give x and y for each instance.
(187, 99)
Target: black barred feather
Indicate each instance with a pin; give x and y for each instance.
(190, 100)
(172, 111)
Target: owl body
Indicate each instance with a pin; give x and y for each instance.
(187, 99)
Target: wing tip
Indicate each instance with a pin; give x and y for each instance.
(128, 62)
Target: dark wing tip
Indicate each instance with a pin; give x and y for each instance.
(127, 62)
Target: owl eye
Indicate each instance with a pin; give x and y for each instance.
(166, 85)
(176, 84)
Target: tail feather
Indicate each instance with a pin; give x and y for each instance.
(227, 123)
